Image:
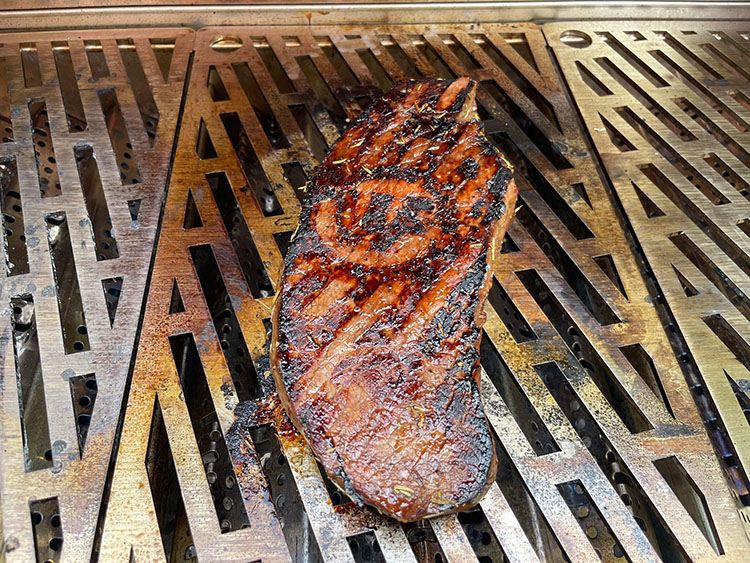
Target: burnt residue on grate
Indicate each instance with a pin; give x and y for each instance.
(265, 475)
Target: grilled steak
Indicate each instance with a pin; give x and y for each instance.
(377, 324)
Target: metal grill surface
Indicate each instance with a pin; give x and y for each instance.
(602, 450)
(603, 453)
(87, 124)
(668, 108)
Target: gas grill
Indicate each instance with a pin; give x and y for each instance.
(150, 183)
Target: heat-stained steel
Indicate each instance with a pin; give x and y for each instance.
(668, 108)
(75, 266)
(602, 451)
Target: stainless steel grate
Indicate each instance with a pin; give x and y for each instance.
(78, 243)
(593, 357)
(603, 452)
(667, 107)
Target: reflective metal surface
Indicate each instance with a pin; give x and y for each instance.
(668, 108)
(587, 383)
(75, 267)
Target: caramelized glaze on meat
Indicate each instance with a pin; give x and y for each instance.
(377, 325)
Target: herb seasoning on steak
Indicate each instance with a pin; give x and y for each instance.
(377, 324)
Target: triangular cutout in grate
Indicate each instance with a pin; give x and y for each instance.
(83, 390)
(192, 216)
(163, 48)
(204, 146)
(652, 210)
(687, 287)
(520, 45)
(176, 304)
(580, 189)
(112, 289)
(134, 206)
(607, 265)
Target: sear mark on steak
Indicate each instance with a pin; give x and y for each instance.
(377, 324)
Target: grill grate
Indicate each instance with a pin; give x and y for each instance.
(602, 451)
(678, 98)
(586, 396)
(74, 290)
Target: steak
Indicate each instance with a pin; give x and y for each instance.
(377, 323)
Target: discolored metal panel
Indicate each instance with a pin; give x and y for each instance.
(668, 107)
(580, 384)
(75, 268)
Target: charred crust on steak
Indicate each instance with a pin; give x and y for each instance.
(376, 328)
